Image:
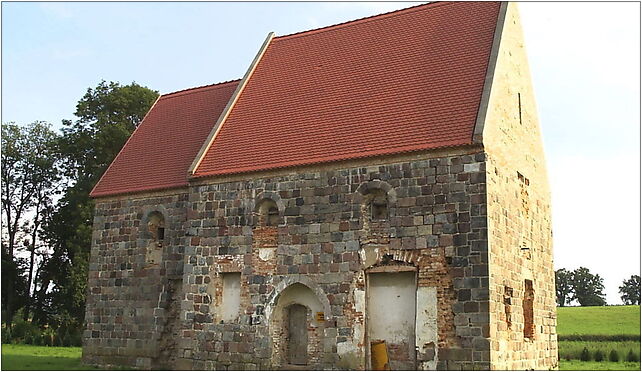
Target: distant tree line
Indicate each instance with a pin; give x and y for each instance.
(47, 213)
(588, 289)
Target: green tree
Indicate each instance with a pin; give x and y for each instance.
(107, 115)
(29, 177)
(630, 290)
(14, 285)
(588, 289)
(563, 286)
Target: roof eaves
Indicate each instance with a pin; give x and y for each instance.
(228, 108)
(139, 190)
(336, 159)
(490, 74)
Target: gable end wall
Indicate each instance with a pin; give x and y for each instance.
(519, 214)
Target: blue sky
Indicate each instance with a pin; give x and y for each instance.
(584, 60)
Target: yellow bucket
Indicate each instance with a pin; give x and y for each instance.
(379, 355)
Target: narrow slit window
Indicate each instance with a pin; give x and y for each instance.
(379, 205)
(161, 234)
(508, 302)
(519, 104)
(528, 304)
(273, 216)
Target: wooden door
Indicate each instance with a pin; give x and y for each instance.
(297, 335)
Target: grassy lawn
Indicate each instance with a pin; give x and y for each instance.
(43, 358)
(598, 320)
(577, 365)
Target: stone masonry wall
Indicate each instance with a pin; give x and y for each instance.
(324, 240)
(519, 216)
(133, 302)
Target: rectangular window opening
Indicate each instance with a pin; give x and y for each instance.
(161, 233)
(231, 302)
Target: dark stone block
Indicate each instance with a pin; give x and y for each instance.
(478, 222)
(292, 211)
(480, 270)
(462, 251)
(471, 307)
(479, 245)
(454, 355)
(449, 228)
(460, 240)
(463, 295)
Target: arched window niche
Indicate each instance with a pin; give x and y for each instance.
(376, 199)
(377, 204)
(268, 213)
(154, 224)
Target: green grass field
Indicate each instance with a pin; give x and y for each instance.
(42, 358)
(593, 322)
(578, 365)
(598, 320)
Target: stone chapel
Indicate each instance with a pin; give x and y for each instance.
(379, 183)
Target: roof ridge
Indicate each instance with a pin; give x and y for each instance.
(192, 90)
(365, 19)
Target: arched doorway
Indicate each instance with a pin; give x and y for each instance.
(296, 324)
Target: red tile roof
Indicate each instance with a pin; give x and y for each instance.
(402, 81)
(161, 150)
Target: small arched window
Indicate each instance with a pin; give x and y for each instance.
(377, 200)
(268, 213)
(156, 227)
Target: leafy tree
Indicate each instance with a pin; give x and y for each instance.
(14, 285)
(16, 189)
(107, 115)
(630, 290)
(563, 286)
(29, 181)
(588, 289)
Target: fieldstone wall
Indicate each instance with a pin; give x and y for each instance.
(327, 241)
(150, 314)
(135, 281)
